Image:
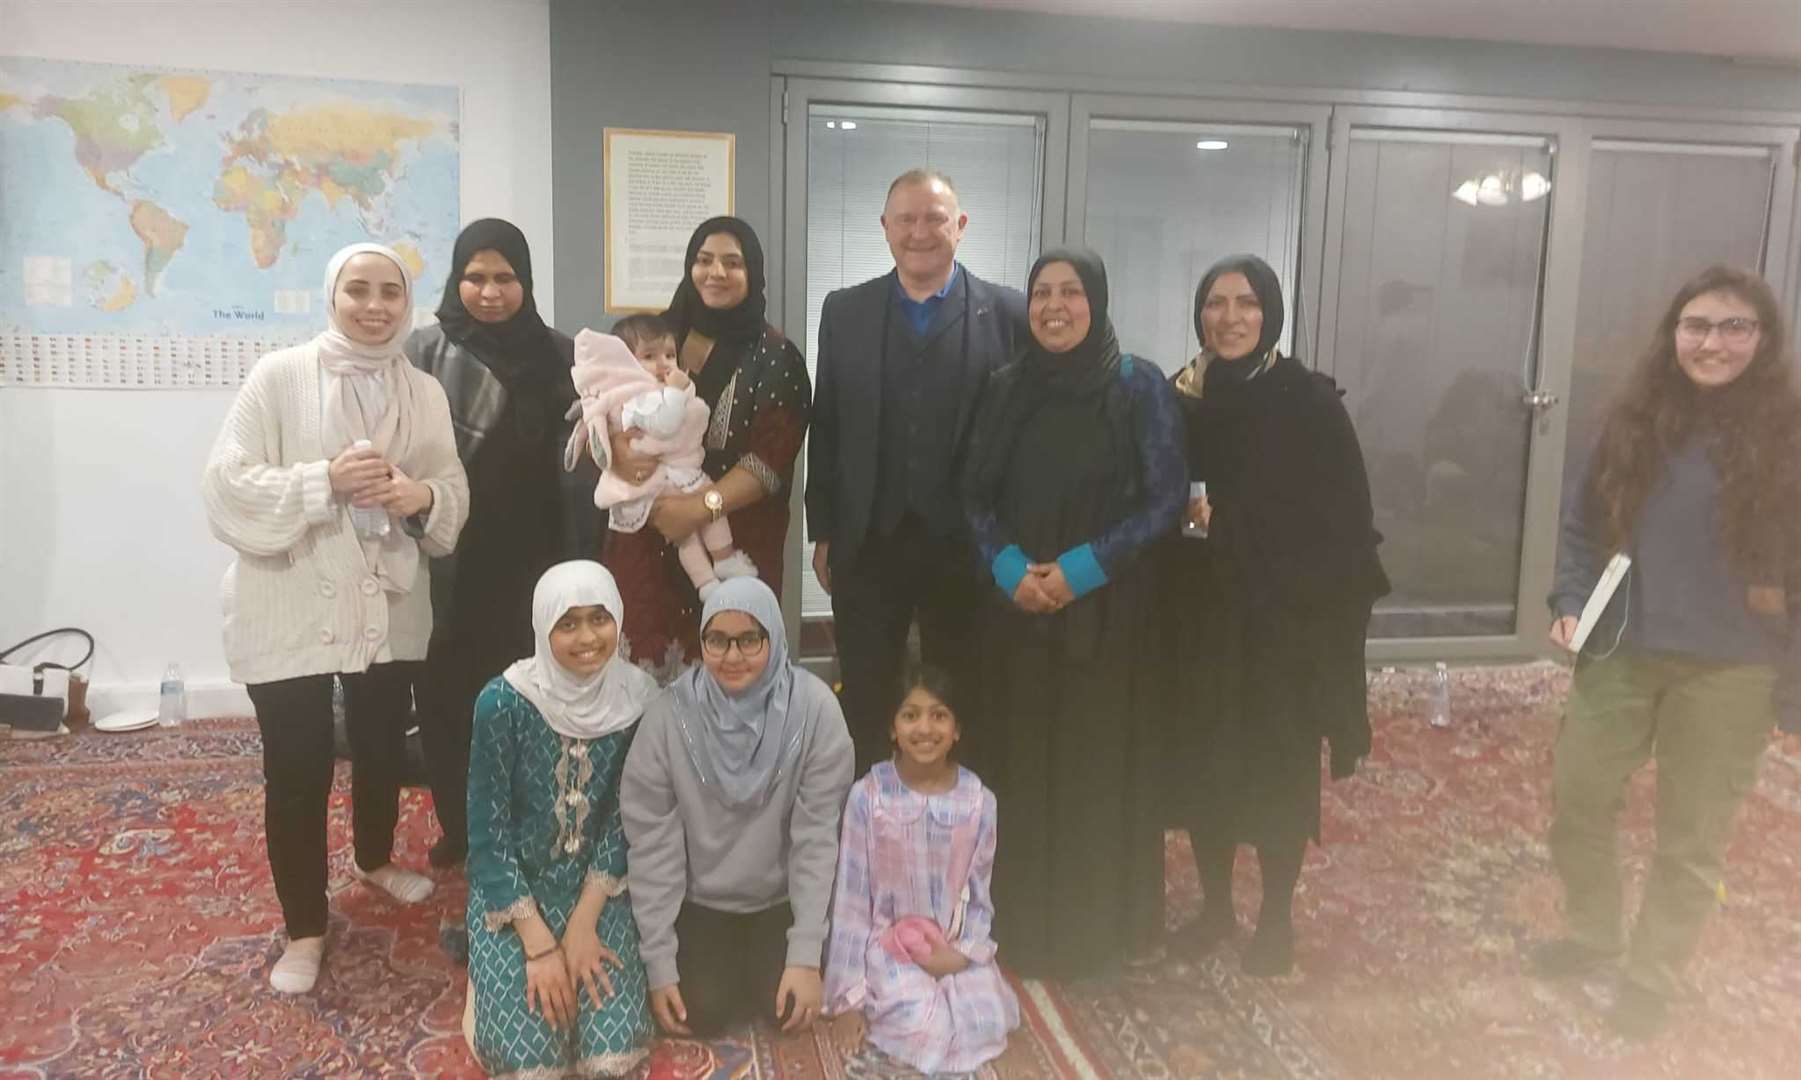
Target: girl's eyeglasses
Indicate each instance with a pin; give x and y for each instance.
(750, 644)
(1734, 331)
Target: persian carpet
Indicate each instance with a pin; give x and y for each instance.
(138, 924)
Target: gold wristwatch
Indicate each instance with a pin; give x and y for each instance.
(714, 502)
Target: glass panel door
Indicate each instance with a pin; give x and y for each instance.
(1167, 199)
(1162, 188)
(846, 144)
(1436, 264)
(1657, 214)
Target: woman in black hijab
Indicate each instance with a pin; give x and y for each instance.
(1267, 614)
(755, 382)
(507, 377)
(1075, 467)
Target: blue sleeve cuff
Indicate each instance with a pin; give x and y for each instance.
(1082, 570)
(1009, 568)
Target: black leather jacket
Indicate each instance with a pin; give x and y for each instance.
(477, 400)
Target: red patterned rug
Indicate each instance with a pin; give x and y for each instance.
(138, 923)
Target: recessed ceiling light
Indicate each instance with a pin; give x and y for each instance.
(833, 124)
(1211, 144)
(849, 125)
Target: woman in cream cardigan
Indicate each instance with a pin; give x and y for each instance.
(335, 473)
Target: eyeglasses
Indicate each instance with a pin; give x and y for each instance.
(1733, 331)
(750, 643)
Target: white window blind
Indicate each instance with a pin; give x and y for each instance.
(996, 163)
(1166, 200)
(1657, 215)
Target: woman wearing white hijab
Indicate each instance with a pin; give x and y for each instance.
(335, 469)
(731, 800)
(554, 971)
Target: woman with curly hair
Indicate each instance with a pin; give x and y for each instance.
(1697, 479)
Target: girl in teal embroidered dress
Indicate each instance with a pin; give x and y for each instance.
(555, 975)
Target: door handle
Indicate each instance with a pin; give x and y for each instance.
(1541, 402)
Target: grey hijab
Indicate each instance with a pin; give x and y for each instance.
(742, 744)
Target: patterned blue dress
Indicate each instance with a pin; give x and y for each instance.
(543, 821)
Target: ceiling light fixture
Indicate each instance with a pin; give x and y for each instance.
(1211, 144)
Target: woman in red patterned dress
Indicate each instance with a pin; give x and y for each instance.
(755, 382)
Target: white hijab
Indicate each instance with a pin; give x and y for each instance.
(364, 395)
(613, 698)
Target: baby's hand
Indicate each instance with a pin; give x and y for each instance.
(677, 378)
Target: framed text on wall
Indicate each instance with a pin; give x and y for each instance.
(658, 186)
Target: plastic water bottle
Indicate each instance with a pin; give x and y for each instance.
(172, 706)
(1441, 696)
(370, 522)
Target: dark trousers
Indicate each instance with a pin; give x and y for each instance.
(1280, 865)
(294, 716)
(448, 683)
(891, 581)
(730, 965)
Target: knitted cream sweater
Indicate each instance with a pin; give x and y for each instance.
(299, 599)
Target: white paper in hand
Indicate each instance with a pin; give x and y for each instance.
(1598, 600)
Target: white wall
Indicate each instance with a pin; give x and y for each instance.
(100, 517)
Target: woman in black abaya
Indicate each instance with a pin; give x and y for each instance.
(1075, 467)
(507, 377)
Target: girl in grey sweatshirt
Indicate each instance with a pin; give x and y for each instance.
(731, 799)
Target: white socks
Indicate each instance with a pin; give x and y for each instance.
(403, 885)
(298, 968)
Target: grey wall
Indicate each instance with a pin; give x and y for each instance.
(706, 65)
(697, 66)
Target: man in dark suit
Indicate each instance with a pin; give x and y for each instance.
(902, 360)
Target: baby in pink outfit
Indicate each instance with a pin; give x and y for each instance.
(632, 381)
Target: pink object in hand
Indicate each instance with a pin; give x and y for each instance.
(913, 938)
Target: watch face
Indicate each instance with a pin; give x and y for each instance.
(714, 500)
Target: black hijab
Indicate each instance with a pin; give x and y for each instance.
(687, 311)
(1094, 362)
(1083, 389)
(1268, 287)
(518, 349)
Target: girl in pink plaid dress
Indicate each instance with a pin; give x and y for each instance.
(910, 970)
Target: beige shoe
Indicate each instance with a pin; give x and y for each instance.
(403, 885)
(298, 968)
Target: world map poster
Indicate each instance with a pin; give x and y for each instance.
(194, 203)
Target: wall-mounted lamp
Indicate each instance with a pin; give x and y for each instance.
(1502, 187)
